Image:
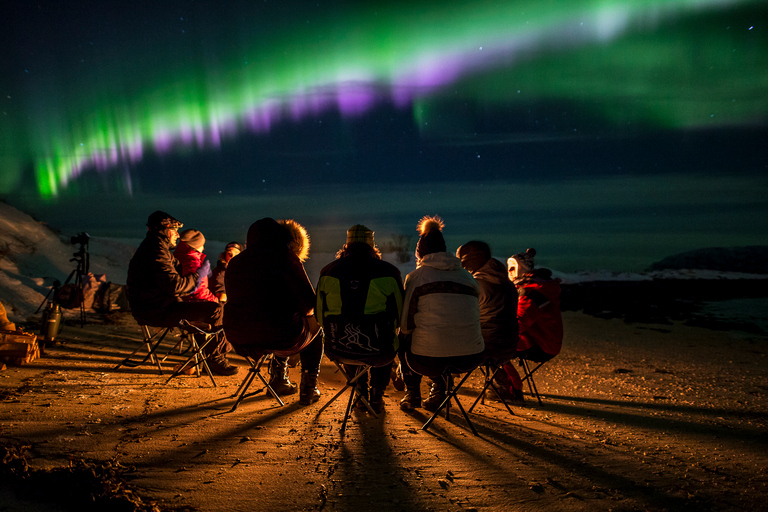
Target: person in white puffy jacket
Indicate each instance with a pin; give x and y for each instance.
(441, 317)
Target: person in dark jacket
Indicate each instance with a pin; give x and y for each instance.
(270, 302)
(498, 306)
(359, 303)
(216, 282)
(156, 286)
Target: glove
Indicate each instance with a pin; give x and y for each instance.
(204, 270)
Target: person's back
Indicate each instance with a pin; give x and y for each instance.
(441, 308)
(441, 318)
(359, 300)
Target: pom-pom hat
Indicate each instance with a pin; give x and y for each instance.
(521, 263)
(431, 239)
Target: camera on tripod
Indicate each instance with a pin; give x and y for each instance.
(80, 238)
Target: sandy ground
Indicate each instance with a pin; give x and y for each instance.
(635, 417)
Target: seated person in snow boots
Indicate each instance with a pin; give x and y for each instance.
(359, 302)
(441, 317)
(539, 319)
(157, 288)
(498, 309)
(270, 303)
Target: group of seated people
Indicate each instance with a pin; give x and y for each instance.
(457, 309)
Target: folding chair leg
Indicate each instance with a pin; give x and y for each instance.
(253, 372)
(451, 392)
(489, 383)
(197, 353)
(354, 397)
(529, 377)
(150, 348)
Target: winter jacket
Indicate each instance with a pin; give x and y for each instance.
(359, 303)
(498, 307)
(538, 314)
(191, 260)
(155, 279)
(441, 309)
(268, 291)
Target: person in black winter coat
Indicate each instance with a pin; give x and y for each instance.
(270, 302)
(155, 287)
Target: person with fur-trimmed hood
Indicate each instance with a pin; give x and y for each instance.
(441, 315)
(156, 286)
(270, 303)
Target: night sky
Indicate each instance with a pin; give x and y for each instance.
(607, 134)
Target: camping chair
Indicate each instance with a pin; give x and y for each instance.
(257, 359)
(151, 343)
(351, 385)
(446, 372)
(529, 368)
(373, 345)
(197, 357)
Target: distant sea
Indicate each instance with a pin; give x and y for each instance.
(618, 224)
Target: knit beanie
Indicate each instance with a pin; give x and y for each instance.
(160, 220)
(431, 236)
(521, 263)
(360, 233)
(474, 255)
(193, 238)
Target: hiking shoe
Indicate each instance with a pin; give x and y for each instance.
(220, 366)
(411, 400)
(436, 396)
(279, 381)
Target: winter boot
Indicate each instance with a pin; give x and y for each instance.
(412, 399)
(278, 377)
(377, 400)
(436, 395)
(308, 392)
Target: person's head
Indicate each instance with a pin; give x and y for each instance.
(521, 264)
(193, 238)
(278, 238)
(231, 250)
(162, 223)
(359, 234)
(431, 239)
(474, 255)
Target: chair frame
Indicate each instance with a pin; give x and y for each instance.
(490, 369)
(529, 370)
(189, 330)
(351, 384)
(255, 371)
(451, 392)
(151, 343)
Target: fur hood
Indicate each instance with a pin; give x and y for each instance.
(278, 237)
(298, 242)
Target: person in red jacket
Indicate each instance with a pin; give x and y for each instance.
(538, 315)
(189, 252)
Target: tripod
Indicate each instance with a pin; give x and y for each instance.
(83, 260)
